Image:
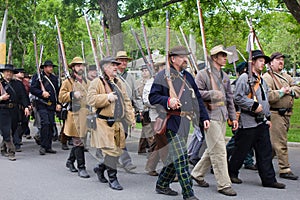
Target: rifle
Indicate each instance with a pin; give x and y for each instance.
(151, 64)
(192, 58)
(9, 56)
(249, 46)
(105, 36)
(100, 47)
(83, 57)
(256, 40)
(172, 92)
(37, 63)
(62, 49)
(207, 64)
(137, 40)
(59, 61)
(207, 59)
(99, 71)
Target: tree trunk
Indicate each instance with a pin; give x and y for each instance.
(294, 8)
(110, 11)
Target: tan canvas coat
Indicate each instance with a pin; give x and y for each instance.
(285, 80)
(104, 136)
(75, 124)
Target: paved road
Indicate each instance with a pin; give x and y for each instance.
(35, 177)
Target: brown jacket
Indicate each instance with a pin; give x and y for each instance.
(75, 124)
(105, 136)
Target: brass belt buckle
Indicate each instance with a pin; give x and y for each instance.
(10, 105)
(49, 103)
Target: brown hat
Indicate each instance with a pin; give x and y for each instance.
(76, 60)
(178, 50)
(218, 49)
(276, 55)
(122, 54)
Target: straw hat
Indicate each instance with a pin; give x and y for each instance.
(122, 54)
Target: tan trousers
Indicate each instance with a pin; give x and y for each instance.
(215, 155)
(278, 135)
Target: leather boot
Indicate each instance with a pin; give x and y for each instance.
(79, 153)
(71, 160)
(99, 170)
(111, 167)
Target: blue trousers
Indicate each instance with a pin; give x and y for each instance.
(47, 123)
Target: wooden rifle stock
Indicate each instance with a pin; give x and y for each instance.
(207, 59)
(63, 54)
(151, 63)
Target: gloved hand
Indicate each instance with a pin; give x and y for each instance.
(112, 97)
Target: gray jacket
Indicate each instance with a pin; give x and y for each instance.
(203, 81)
(242, 89)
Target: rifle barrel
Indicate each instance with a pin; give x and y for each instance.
(138, 42)
(151, 64)
(63, 54)
(93, 47)
(203, 34)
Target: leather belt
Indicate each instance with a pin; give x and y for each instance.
(104, 117)
(286, 109)
(8, 105)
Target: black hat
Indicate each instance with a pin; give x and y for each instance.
(178, 50)
(20, 70)
(92, 67)
(259, 54)
(48, 63)
(9, 67)
(276, 55)
(108, 59)
(241, 66)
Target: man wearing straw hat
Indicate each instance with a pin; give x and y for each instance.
(129, 81)
(215, 89)
(74, 91)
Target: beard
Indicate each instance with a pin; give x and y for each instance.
(80, 72)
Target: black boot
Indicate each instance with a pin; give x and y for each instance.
(79, 153)
(71, 160)
(111, 166)
(99, 170)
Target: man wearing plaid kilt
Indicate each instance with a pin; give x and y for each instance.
(182, 107)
